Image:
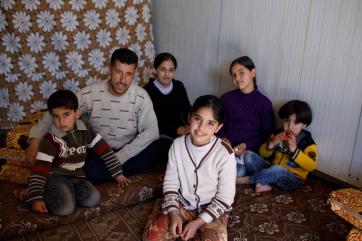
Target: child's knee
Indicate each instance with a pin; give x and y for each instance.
(93, 199)
(280, 169)
(251, 158)
(62, 209)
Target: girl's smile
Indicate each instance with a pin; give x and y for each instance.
(203, 126)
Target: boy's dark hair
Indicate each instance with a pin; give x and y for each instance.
(62, 98)
(125, 56)
(163, 57)
(247, 63)
(301, 109)
(214, 103)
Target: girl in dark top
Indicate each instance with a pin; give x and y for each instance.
(249, 118)
(169, 98)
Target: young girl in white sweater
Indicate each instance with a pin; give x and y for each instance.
(199, 184)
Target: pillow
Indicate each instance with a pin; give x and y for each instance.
(18, 137)
(347, 203)
(35, 117)
(14, 173)
(14, 156)
(354, 235)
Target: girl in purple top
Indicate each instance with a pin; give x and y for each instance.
(249, 118)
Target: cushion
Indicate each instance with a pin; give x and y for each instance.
(347, 203)
(14, 156)
(14, 173)
(18, 137)
(354, 235)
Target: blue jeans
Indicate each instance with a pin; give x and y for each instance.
(240, 168)
(62, 193)
(263, 172)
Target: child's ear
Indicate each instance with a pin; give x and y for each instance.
(77, 113)
(220, 126)
(253, 72)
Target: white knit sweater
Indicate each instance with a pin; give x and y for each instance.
(210, 183)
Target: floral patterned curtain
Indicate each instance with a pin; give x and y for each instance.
(53, 44)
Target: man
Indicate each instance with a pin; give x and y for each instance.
(122, 112)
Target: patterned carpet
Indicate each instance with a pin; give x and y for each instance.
(302, 215)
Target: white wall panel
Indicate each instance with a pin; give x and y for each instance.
(189, 29)
(309, 49)
(355, 169)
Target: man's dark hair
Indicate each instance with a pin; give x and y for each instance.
(125, 56)
(62, 98)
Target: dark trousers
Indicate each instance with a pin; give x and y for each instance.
(152, 157)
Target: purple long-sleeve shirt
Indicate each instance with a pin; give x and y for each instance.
(249, 118)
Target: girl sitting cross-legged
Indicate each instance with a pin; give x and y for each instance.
(199, 184)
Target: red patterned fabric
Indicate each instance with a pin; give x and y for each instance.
(157, 226)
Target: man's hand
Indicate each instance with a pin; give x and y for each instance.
(122, 181)
(175, 225)
(32, 149)
(39, 206)
(191, 228)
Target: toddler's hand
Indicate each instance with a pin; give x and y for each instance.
(122, 181)
(275, 140)
(292, 142)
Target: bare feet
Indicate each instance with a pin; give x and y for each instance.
(243, 180)
(262, 188)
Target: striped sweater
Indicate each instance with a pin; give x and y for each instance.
(127, 122)
(65, 153)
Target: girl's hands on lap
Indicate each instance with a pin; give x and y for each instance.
(191, 228)
(175, 225)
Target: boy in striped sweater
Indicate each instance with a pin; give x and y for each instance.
(57, 181)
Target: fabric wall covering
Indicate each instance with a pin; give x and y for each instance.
(55, 44)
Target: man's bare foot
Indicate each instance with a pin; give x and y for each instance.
(262, 188)
(243, 180)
